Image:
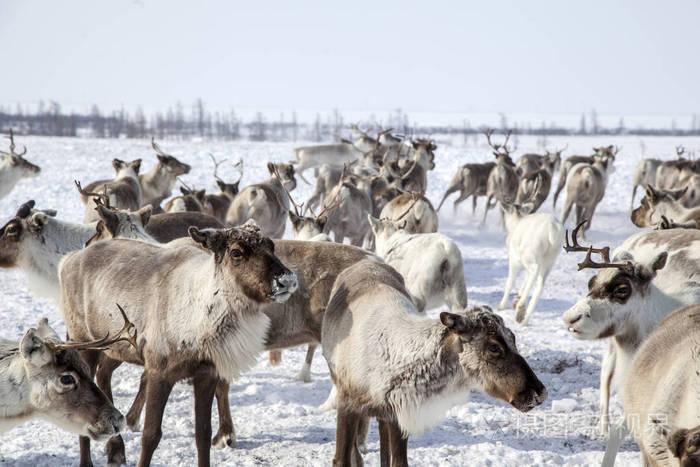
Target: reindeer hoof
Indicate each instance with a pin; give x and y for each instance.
(603, 428)
(304, 375)
(134, 425)
(520, 314)
(224, 440)
(275, 357)
(515, 301)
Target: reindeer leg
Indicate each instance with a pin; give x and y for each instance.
(133, 418)
(634, 193)
(560, 186)
(513, 268)
(475, 198)
(116, 452)
(462, 196)
(525, 291)
(305, 373)
(205, 385)
(399, 446)
(226, 436)
(539, 285)
(449, 191)
(274, 357)
(91, 358)
(346, 454)
(362, 433)
(486, 209)
(158, 390)
(607, 370)
(384, 452)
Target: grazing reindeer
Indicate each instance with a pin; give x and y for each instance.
(44, 378)
(413, 208)
(585, 188)
(14, 167)
(659, 204)
(407, 370)
(205, 323)
(266, 203)
(502, 183)
(644, 174)
(650, 275)
(217, 204)
(660, 394)
(470, 180)
(430, 263)
(157, 184)
(534, 242)
(124, 191)
(606, 155)
(190, 200)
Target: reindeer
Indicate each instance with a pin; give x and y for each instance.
(415, 209)
(407, 370)
(644, 174)
(659, 206)
(328, 177)
(660, 394)
(157, 184)
(534, 187)
(346, 208)
(529, 163)
(533, 243)
(42, 377)
(502, 183)
(14, 167)
(650, 275)
(205, 323)
(470, 180)
(668, 173)
(190, 200)
(218, 204)
(604, 155)
(430, 263)
(124, 191)
(414, 176)
(266, 203)
(585, 188)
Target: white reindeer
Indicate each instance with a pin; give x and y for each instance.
(534, 242)
(431, 264)
(14, 167)
(650, 275)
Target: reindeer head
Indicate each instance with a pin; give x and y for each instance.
(306, 227)
(500, 151)
(285, 173)
(17, 160)
(487, 352)
(685, 445)
(27, 224)
(552, 159)
(191, 200)
(126, 169)
(387, 139)
(384, 229)
(248, 258)
(118, 223)
(61, 388)
(657, 204)
(614, 294)
(169, 163)
(424, 152)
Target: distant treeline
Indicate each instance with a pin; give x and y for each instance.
(48, 119)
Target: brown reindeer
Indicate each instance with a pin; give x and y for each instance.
(124, 191)
(502, 183)
(14, 167)
(217, 204)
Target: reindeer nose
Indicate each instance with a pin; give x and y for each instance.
(287, 282)
(117, 421)
(575, 319)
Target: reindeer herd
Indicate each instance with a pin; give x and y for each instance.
(196, 286)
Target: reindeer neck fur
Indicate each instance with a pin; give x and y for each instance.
(43, 250)
(276, 185)
(423, 378)
(157, 183)
(385, 247)
(216, 320)
(15, 406)
(512, 219)
(10, 175)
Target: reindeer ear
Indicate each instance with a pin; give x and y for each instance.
(44, 331)
(99, 231)
(33, 349)
(211, 239)
(294, 218)
(660, 261)
(676, 442)
(118, 164)
(37, 221)
(650, 192)
(136, 165)
(200, 195)
(184, 191)
(145, 213)
(454, 322)
(271, 168)
(321, 221)
(110, 218)
(162, 159)
(678, 194)
(50, 212)
(221, 185)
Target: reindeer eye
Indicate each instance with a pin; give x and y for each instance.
(494, 349)
(68, 380)
(237, 253)
(622, 290)
(12, 230)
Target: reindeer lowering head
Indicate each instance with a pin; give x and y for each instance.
(169, 163)
(487, 353)
(614, 294)
(60, 386)
(27, 224)
(657, 204)
(17, 161)
(249, 259)
(685, 446)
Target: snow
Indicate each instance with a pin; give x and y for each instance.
(276, 417)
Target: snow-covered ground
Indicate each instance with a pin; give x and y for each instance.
(276, 419)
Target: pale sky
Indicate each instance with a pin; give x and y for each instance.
(624, 57)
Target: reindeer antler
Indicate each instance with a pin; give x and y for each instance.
(157, 148)
(12, 152)
(216, 167)
(127, 333)
(588, 262)
(680, 150)
(499, 149)
(99, 198)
